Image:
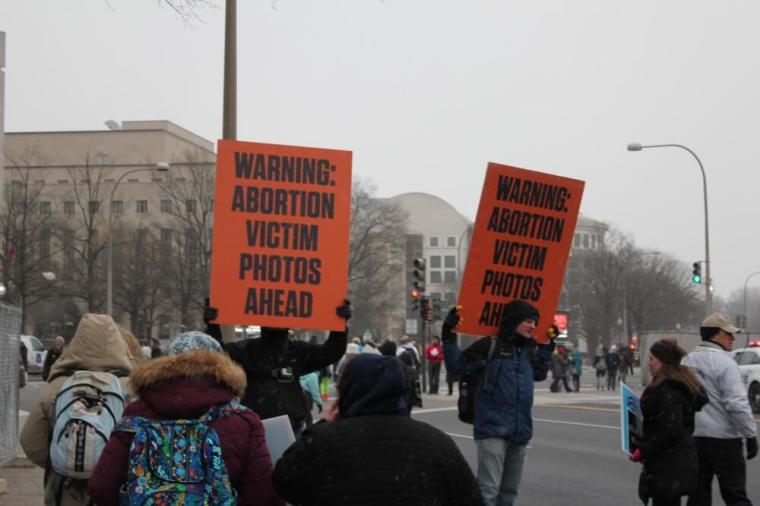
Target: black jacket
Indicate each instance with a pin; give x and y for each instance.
(273, 369)
(667, 448)
(50, 358)
(375, 460)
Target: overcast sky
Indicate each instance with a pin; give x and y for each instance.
(426, 92)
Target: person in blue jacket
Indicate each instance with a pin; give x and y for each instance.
(503, 423)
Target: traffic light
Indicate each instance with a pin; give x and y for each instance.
(696, 272)
(415, 294)
(426, 312)
(436, 308)
(419, 274)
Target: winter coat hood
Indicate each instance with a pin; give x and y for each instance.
(188, 384)
(97, 345)
(514, 313)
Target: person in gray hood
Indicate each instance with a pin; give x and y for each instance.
(725, 424)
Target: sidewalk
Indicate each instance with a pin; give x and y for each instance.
(21, 481)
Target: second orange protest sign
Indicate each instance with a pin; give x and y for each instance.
(281, 235)
(520, 245)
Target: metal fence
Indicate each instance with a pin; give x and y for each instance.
(10, 328)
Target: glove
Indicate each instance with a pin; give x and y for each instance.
(344, 311)
(209, 313)
(553, 332)
(636, 455)
(751, 448)
(450, 323)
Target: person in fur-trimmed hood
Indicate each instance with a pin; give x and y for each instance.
(195, 377)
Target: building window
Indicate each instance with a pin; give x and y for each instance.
(435, 277)
(593, 242)
(435, 262)
(133, 180)
(585, 240)
(433, 242)
(166, 206)
(449, 276)
(63, 181)
(45, 208)
(93, 206)
(142, 207)
(166, 236)
(190, 205)
(577, 242)
(117, 207)
(68, 207)
(101, 159)
(450, 262)
(451, 242)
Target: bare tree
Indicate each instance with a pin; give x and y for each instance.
(138, 272)
(190, 190)
(26, 225)
(378, 228)
(83, 269)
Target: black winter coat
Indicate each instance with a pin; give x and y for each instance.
(273, 369)
(375, 460)
(667, 447)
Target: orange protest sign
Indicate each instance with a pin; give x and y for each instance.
(281, 233)
(520, 245)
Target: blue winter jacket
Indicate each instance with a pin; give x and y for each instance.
(503, 407)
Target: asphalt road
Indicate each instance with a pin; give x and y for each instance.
(573, 459)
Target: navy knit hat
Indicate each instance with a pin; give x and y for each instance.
(514, 313)
(193, 341)
(373, 385)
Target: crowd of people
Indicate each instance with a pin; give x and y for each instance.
(184, 426)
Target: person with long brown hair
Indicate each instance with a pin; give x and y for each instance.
(667, 447)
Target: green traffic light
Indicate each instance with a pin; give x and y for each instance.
(696, 278)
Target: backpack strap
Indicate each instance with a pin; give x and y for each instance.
(230, 408)
(131, 424)
(489, 356)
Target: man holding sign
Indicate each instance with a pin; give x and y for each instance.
(280, 261)
(507, 366)
(520, 245)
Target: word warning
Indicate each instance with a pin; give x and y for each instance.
(520, 245)
(281, 235)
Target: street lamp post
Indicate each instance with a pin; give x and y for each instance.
(744, 311)
(635, 146)
(159, 167)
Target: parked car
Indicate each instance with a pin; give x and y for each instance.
(35, 354)
(749, 366)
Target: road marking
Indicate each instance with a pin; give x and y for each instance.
(433, 410)
(562, 422)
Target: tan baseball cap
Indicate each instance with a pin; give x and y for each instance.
(721, 321)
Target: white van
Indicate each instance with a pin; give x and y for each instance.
(35, 354)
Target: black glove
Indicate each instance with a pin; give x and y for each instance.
(449, 324)
(751, 448)
(209, 313)
(344, 311)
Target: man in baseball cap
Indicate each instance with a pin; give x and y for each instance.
(725, 424)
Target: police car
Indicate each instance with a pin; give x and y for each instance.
(749, 366)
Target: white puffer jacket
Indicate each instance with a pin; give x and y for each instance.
(728, 414)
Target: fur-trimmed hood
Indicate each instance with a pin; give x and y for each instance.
(193, 365)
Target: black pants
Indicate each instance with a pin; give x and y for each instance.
(723, 458)
(435, 378)
(554, 387)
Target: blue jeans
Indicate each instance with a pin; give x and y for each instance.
(500, 464)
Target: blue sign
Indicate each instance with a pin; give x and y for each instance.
(631, 418)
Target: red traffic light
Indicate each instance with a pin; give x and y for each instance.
(415, 293)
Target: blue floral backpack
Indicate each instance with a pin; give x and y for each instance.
(177, 461)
